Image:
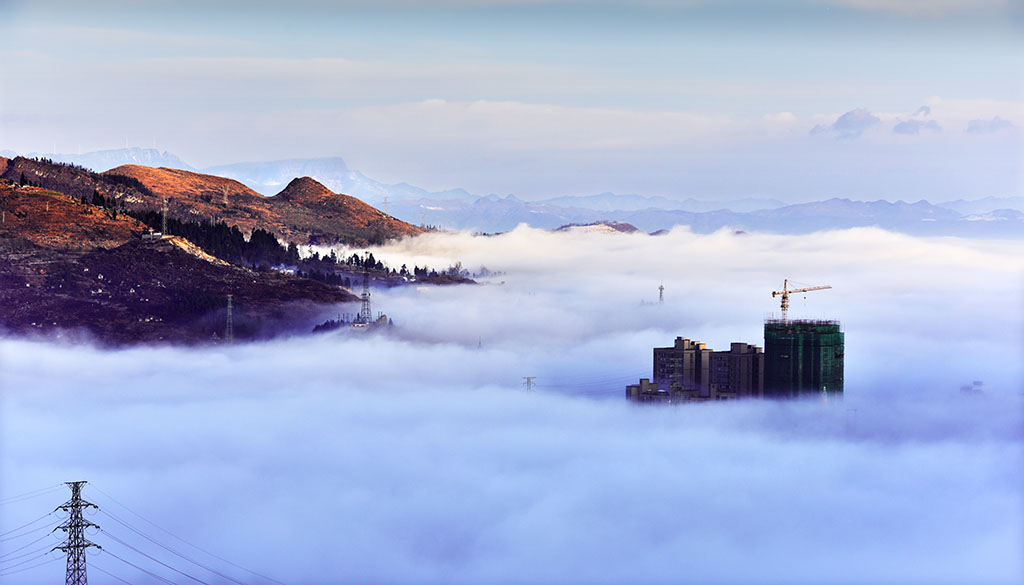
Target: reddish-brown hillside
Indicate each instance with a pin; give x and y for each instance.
(303, 190)
(69, 266)
(67, 179)
(311, 211)
(59, 221)
(191, 196)
(304, 212)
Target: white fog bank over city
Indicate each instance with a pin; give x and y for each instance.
(417, 457)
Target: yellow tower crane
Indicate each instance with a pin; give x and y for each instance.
(786, 291)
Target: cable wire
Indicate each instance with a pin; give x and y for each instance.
(150, 573)
(29, 560)
(169, 549)
(32, 494)
(165, 531)
(43, 517)
(23, 547)
(44, 550)
(28, 495)
(4, 574)
(155, 560)
(108, 573)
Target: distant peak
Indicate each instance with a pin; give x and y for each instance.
(304, 189)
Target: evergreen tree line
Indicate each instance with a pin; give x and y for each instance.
(108, 179)
(262, 248)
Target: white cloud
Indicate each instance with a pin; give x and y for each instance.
(417, 458)
(996, 124)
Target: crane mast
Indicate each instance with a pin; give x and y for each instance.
(786, 291)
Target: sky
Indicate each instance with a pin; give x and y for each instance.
(418, 457)
(793, 99)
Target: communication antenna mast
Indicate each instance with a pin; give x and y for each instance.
(661, 293)
(786, 291)
(229, 329)
(75, 544)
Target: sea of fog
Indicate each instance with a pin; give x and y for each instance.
(418, 457)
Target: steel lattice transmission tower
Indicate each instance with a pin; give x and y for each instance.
(365, 315)
(75, 544)
(229, 327)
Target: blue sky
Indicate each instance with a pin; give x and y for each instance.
(709, 100)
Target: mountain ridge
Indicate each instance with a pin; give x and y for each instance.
(336, 218)
(458, 209)
(74, 269)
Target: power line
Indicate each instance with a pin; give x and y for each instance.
(171, 550)
(30, 495)
(150, 573)
(167, 532)
(23, 526)
(109, 574)
(4, 574)
(40, 539)
(43, 550)
(155, 560)
(26, 561)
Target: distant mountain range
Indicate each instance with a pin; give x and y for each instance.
(269, 177)
(102, 160)
(459, 209)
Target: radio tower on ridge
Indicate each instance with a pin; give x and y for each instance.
(75, 544)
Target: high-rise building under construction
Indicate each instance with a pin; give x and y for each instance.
(802, 357)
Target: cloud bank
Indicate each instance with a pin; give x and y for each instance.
(849, 125)
(988, 126)
(914, 127)
(418, 458)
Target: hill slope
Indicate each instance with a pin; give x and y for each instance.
(72, 268)
(304, 212)
(293, 215)
(56, 220)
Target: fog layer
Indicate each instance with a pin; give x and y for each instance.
(417, 457)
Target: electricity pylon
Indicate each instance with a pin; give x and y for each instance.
(229, 326)
(365, 315)
(75, 544)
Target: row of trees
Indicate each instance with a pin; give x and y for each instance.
(262, 249)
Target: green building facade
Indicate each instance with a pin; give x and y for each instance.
(802, 357)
